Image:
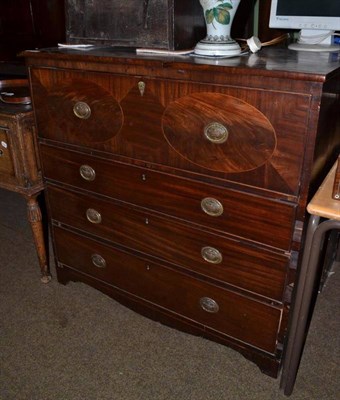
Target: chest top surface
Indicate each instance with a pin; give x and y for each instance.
(274, 62)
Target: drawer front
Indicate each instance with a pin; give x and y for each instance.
(221, 310)
(252, 217)
(6, 163)
(251, 136)
(255, 270)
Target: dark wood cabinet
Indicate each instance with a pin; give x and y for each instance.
(166, 24)
(178, 186)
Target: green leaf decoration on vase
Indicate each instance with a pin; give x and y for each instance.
(220, 14)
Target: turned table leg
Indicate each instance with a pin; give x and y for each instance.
(35, 219)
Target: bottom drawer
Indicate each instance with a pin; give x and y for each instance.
(222, 310)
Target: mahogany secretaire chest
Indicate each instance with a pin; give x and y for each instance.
(178, 186)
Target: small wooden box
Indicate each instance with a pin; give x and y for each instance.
(164, 24)
(336, 187)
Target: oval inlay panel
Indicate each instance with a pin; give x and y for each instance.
(103, 122)
(251, 138)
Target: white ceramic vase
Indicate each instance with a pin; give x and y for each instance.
(219, 15)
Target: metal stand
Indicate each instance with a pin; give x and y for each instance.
(303, 299)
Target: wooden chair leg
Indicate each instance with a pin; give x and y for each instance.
(35, 219)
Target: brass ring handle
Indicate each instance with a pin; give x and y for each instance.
(87, 173)
(211, 255)
(82, 110)
(98, 261)
(93, 216)
(209, 305)
(212, 206)
(216, 132)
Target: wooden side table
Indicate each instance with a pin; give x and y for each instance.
(325, 216)
(20, 169)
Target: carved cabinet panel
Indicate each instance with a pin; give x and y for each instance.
(167, 24)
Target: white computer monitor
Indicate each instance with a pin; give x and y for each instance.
(316, 21)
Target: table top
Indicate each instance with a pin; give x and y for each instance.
(322, 204)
